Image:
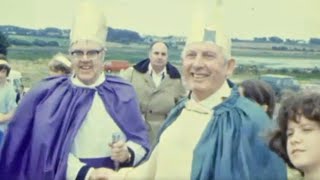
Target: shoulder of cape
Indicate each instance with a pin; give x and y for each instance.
(48, 84)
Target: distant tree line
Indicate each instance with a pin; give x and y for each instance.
(36, 42)
(276, 39)
(114, 35)
(285, 48)
(254, 69)
(47, 32)
(272, 39)
(314, 41)
(123, 36)
(4, 44)
(128, 36)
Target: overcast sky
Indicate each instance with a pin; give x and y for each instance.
(298, 19)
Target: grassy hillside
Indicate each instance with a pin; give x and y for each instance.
(132, 52)
(62, 41)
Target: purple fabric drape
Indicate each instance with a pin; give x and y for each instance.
(43, 128)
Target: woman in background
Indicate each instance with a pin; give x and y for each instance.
(261, 93)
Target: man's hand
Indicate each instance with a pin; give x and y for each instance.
(5, 117)
(120, 152)
(101, 174)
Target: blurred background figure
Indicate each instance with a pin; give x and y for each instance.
(60, 64)
(7, 98)
(15, 79)
(21, 91)
(259, 92)
(158, 85)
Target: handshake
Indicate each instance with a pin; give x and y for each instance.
(119, 154)
(102, 174)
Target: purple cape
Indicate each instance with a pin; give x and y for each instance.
(41, 133)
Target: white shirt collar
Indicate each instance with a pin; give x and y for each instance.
(151, 71)
(216, 98)
(99, 81)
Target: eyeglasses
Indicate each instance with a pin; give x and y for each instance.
(91, 54)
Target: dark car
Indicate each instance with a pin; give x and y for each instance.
(281, 83)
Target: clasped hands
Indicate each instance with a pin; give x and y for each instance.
(120, 153)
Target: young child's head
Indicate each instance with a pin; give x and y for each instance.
(260, 92)
(59, 65)
(297, 138)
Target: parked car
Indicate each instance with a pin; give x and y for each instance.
(115, 66)
(281, 83)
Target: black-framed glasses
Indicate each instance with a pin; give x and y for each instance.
(91, 54)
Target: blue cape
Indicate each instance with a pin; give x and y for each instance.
(233, 145)
(41, 133)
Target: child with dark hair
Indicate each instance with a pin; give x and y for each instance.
(298, 135)
(260, 92)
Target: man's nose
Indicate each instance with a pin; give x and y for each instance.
(198, 61)
(85, 57)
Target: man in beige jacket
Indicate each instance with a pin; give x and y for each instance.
(158, 85)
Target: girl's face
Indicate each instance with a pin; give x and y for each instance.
(303, 139)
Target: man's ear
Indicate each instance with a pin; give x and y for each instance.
(231, 64)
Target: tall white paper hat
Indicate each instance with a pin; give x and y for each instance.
(207, 25)
(89, 23)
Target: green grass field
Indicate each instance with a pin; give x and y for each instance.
(63, 42)
(134, 52)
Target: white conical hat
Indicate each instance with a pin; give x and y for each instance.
(89, 23)
(207, 25)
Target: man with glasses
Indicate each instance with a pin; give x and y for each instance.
(158, 85)
(74, 127)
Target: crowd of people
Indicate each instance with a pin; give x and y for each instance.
(154, 122)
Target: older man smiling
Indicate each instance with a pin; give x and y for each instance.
(214, 133)
(63, 128)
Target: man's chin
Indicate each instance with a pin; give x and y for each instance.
(197, 87)
(86, 79)
(160, 65)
